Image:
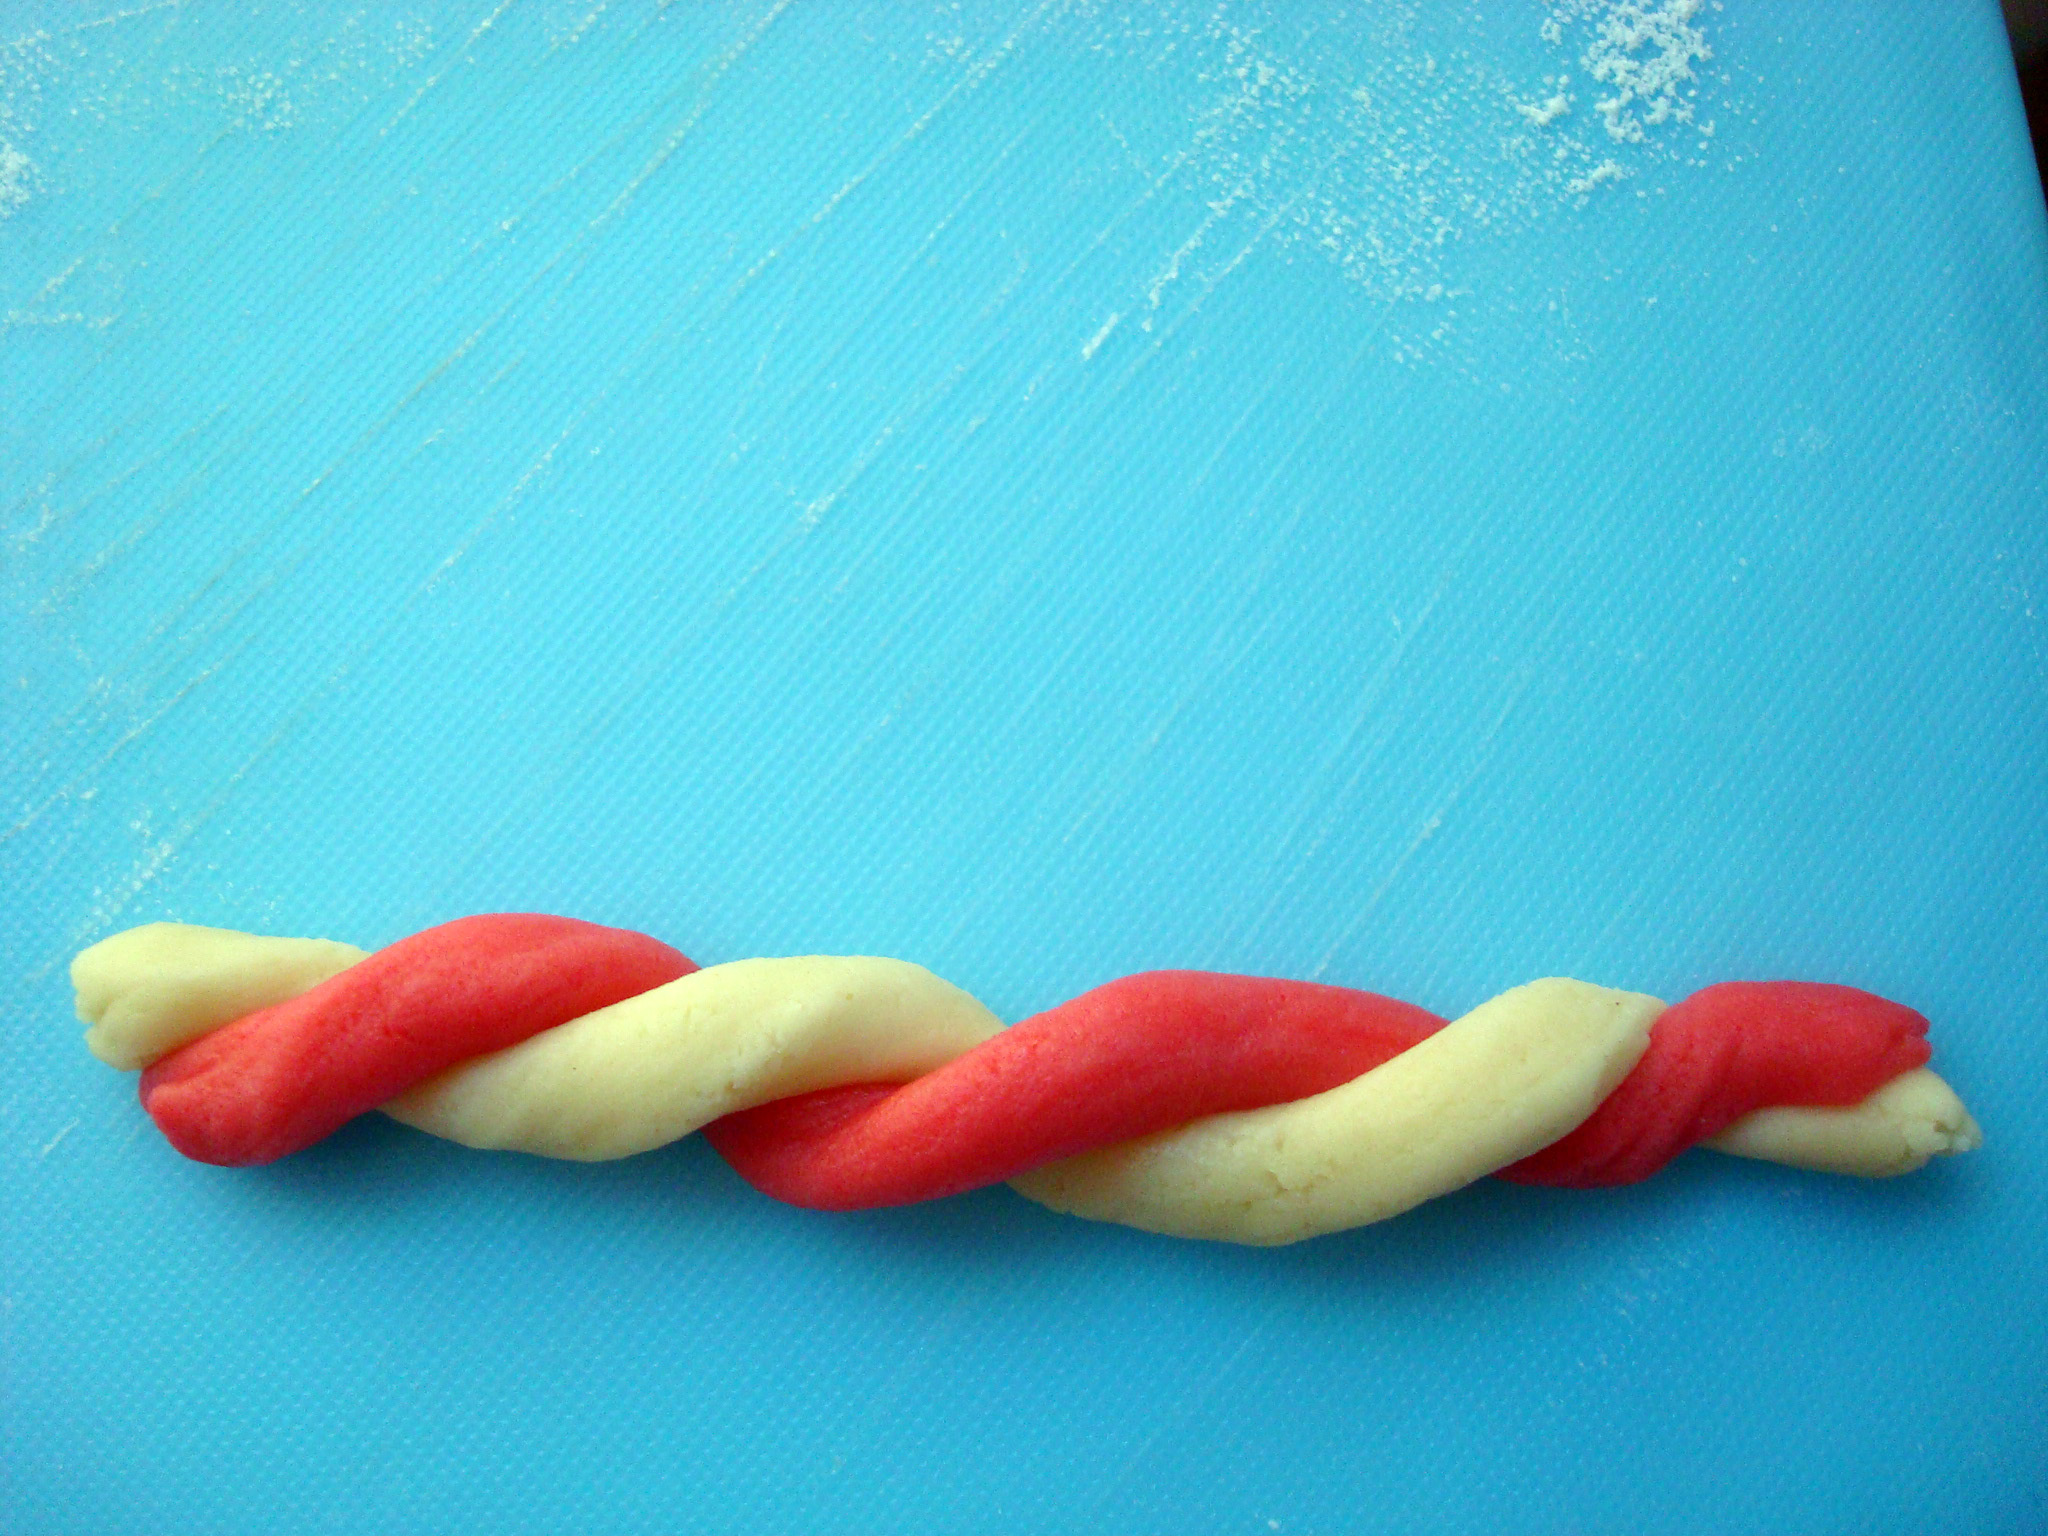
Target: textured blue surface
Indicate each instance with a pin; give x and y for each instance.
(1043, 492)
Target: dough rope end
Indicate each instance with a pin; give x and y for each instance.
(1911, 1120)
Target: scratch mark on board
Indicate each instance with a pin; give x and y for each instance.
(45, 34)
(442, 367)
(979, 71)
(68, 589)
(576, 34)
(77, 786)
(434, 79)
(532, 473)
(1368, 707)
(683, 130)
(1433, 822)
(56, 517)
(905, 272)
(661, 666)
(1170, 1419)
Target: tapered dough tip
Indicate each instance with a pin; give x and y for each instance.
(1909, 1121)
(148, 990)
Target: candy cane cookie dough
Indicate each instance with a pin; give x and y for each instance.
(1235, 1108)
(1504, 1081)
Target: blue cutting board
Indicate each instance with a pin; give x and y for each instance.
(1421, 496)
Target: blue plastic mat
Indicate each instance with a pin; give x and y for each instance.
(1411, 496)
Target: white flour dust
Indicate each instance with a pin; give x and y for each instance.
(110, 73)
(1644, 56)
(1394, 143)
(65, 91)
(16, 173)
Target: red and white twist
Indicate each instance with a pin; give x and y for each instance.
(1186, 1102)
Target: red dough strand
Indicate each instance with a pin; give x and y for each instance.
(1143, 1054)
(1726, 1052)
(283, 1078)
(1153, 1052)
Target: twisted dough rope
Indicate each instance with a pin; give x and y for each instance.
(1183, 1102)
